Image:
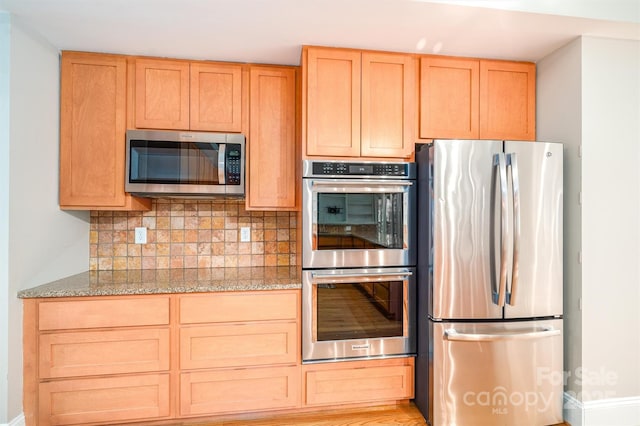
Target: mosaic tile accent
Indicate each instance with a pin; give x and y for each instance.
(192, 234)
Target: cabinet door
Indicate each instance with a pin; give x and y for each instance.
(104, 399)
(272, 145)
(388, 105)
(449, 98)
(242, 390)
(216, 97)
(92, 133)
(240, 306)
(359, 381)
(332, 102)
(162, 94)
(238, 345)
(86, 353)
(507, 100)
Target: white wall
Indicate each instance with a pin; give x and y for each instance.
(44, 242)
(5, 36)
(589, 97)
(559, 118)
(611, 212)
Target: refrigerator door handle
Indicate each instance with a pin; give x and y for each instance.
(512, 163)
(452, 335)
(499, 160)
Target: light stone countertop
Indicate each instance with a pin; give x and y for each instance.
(163, 281)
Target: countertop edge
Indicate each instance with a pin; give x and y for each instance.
(136, 282)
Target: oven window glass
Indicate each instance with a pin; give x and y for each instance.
(359, 310)
(174, 162)
(359, 221)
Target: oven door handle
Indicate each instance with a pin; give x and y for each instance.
(362, 277)
(363, 185)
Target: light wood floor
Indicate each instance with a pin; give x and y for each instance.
(400, 415)
(403, 414)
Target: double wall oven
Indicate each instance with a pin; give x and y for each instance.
(358, 257)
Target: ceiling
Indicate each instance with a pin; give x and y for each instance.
(272, 31)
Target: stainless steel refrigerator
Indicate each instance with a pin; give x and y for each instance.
(489, 283)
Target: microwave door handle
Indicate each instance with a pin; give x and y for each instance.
(221, 164)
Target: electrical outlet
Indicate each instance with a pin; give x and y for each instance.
(245, 234)
(141, 235)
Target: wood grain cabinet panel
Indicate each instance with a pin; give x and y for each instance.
(242, 390)
(239, 307)
(104, 400)
(99, 312)
(272, 154)
(449, 98)
(463, 98)
(216, 97)
(358, 104)
(359, 381)
(88, 353)
(507, 100)
(93, 101)
(238, 345)
(332, 102)
(162, 94)
(388, 105)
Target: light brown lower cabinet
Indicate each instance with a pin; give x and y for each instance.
(103, 399)
(239, 390)
(153, 358)
(358, 381)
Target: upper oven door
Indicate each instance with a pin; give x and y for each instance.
(358, 223)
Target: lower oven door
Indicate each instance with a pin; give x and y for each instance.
(358, 313)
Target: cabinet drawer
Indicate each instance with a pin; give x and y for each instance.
(130, 311)
(239, 307)
(238, 345)
(104, 400)
(87, 353)
(227, 391)
(344, 385)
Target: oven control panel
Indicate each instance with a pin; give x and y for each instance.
(336, 168)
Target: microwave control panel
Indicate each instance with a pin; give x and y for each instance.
(232, 160)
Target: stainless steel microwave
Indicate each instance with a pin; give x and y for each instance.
(184, 164)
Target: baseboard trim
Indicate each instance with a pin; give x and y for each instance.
(602, 412)
(18, 421)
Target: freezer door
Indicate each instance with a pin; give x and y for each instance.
(535, 184)
(497, 374)
(463, 177)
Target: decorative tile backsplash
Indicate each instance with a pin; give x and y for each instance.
(192, 234)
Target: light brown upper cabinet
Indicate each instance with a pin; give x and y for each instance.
(357, 104)
(272, 167)
(188, 96)
(93, 102)
(476, 99)
(507, 100)
(449, 97)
